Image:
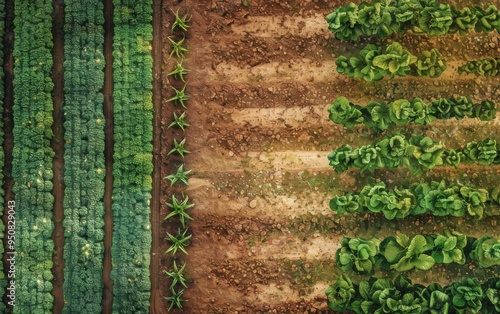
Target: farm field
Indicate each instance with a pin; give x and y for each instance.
(182, 156)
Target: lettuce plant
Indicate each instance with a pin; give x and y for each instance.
(482, 67)
(375, 18)
(404, 253)
(393, 150)
(491, 303)
(488, 19)
(483, 152)
(401, 112)
(485, 111)
(449, 247)
(486, 251)
(343, 112)
(475, 200)
(461, 107)
(378, 116)
(358, 255)
(430, 63)
(435, 19)
(395, 60)
(464, 20)
(341, 294)
(345, 204)
(341, 158)
(427, 152)
(343, 22)
(467, 295)
(442, 200)
(452, 157)
(438, 302)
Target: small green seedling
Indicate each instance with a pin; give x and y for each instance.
(180, 22)
(177, 48)
(179, 121)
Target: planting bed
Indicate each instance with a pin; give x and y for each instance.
(262, 76)
(248, 181)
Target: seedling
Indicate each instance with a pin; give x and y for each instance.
(177, 276)
(179, 121)
(177, 48)
(180, 96)
(180, 22)
(179, 148)
(179, 242)
(175, 299)
(180, 175)
(179, 71)
(179, 208)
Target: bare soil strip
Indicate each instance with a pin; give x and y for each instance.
(8, 123)
(57, 144)
(154, 269)
(107, 301)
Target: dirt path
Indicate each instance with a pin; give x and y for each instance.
(57, 145)
(154, 269)
(107, 301)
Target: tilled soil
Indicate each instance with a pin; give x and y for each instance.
(261, 78)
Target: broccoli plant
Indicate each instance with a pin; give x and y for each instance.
(358, 255)
(482, 67)
(486, 251)
(449, 247)
(404, 253)
(466, 295)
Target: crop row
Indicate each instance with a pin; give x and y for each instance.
(417, 153)
(404, 252)
(83, 156)
(178, 205)
(3, 281)
(32, 155)
(373, 65)
(380, 116)
(401, 296)
(438, 198)
(384, 18)
(132, 168)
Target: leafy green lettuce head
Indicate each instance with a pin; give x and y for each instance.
(343, 112)
(341, 294)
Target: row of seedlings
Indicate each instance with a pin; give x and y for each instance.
(133, 157)
(83, 156)
(403, 253)
(178, 203)
(33, 155)
(10, 209)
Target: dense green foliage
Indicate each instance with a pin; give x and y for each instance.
(401, 296)
(417, 153)
(384, 18)
(404, 253)
(380, 116)
(438, 198)
(483, 67)
(373, 65)
(32, 155)
(83, 156)
(132, 168)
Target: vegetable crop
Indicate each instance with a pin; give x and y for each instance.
(84, 156)
(33, 155)
(380, 115)
(132, 168)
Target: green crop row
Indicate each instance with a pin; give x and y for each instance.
(373, 65)
(32, 155)
(83, 156)
(417, 153)
(132, 170)
(438, 198)
(401, 296)
(380, 116)
(404, 253)
(384, 18)
(482, 67)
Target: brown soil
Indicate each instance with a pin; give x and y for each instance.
(261, 79)
(57, 145)
(107, 298)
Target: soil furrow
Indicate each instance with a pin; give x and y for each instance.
(107, 301)
(156, 302)
(57, 144)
